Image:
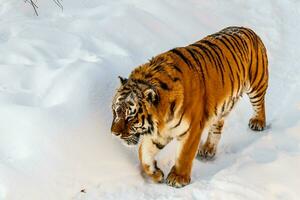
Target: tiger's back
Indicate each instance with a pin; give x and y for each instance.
(221, 66)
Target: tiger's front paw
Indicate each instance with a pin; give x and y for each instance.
(176, 180)
(154, 173)
(157, 176)
(257, 124)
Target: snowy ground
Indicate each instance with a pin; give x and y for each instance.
(58, 74)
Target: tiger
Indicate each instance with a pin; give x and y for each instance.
(179, 93)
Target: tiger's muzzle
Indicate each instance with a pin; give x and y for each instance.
(120, 130)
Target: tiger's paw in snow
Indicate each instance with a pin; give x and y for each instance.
(176, 180)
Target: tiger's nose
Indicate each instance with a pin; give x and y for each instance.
(115, 130)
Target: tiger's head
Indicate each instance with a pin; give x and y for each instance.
(131, 114)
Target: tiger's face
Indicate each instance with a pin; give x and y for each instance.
(130, 117)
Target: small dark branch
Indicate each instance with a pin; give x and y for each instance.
(35, 7)
(58, 3)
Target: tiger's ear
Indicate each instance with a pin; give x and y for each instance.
(123, 80)
(151, 96)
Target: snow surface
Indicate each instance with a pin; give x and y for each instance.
(58, 75)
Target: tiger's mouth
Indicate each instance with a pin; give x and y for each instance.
(132, 139)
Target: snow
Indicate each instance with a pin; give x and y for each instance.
(58, 73)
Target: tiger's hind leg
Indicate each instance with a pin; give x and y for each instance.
(258, 82)
(258, 120)
(208, 150)
(257, 99)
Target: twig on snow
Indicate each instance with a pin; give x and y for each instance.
(35, 7)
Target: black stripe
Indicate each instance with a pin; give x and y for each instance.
(246, 33)
(253, 34)
(223, 107)
(158, 68)
(185, 132)
(219, 60)
(232, 54)
(255, 88)
(127, 87)
(250, 66)
(234, 60)
(176, 68)
(215, 35)
(209, 46)
(203, 59)
(148, 75)
(262, 93)
(207, 52)
(218, 126)
(260, 88)
(244, 43)
(239, 47)
(233, 103)
(233, 47)
(192, 55)
(206, 113)
(258, 100)
(176, 79)
(256, 71)
(170, 77)
(179, 122)
(149, 119)
(198, 63)
(231, 77)
(262, 76)
(162, 84)
(161, 69)
(172, 106)
(172, 110)
(236, 44)
(158, 145)
(239, 83)
(181, 55)
(143, 120)
(214, 45)
(139, 81)
(216, 110)
(122, 98)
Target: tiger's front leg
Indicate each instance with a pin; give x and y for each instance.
(147, 151)
(180, 174)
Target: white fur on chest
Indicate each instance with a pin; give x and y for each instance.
(170, 131)
(175, 131)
